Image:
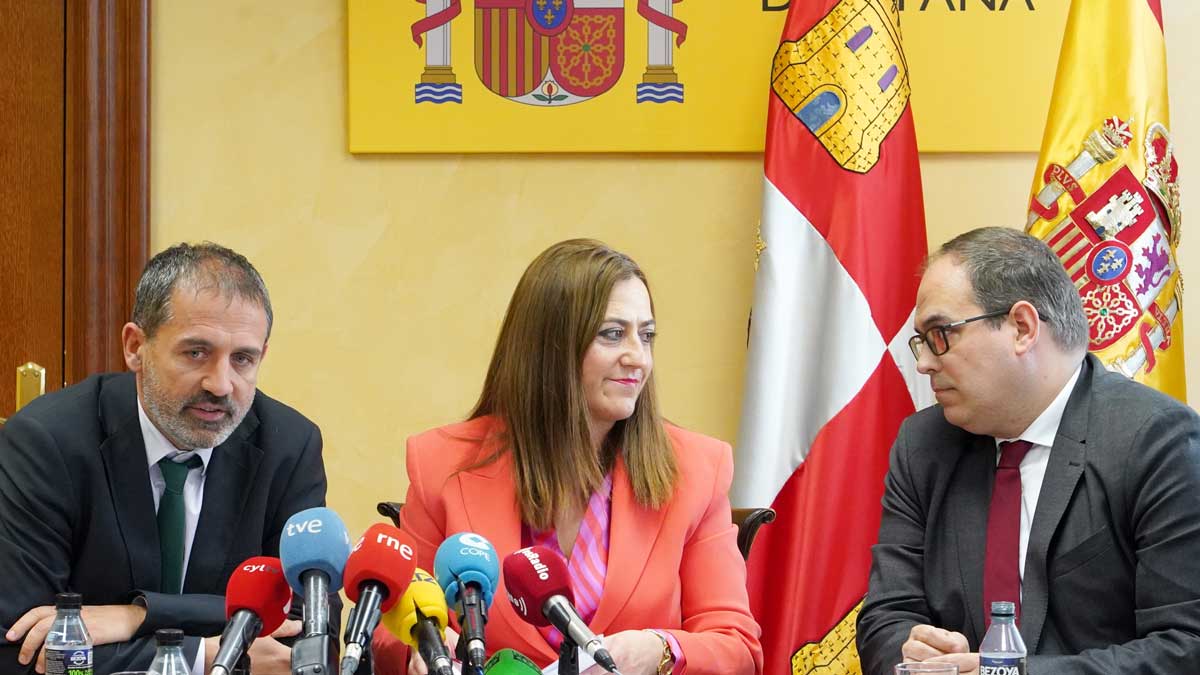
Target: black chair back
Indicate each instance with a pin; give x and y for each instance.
(748, 522)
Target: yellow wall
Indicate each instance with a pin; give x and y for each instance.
(390, 274)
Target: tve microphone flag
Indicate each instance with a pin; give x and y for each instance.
(314, 541)
(829, 376)
(314, 546)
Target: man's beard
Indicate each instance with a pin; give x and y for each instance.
(183, 430)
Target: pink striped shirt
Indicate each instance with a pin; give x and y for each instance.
(587, 566)
(588, 563)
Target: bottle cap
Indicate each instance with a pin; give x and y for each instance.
(168, 637)
(68, 601)
(1002, 608)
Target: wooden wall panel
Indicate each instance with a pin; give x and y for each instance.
(31, 191)
(107, 176)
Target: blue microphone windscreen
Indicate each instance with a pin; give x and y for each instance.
(466, 558)
(510, 662)
(314, 539)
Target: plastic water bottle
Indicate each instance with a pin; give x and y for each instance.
(168, 659)
(1002, 651)
(68, 646)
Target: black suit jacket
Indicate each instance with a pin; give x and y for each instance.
(1112, 572)
(77, 512)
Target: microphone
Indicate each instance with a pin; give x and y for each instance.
(510, 662)
(538, 586)
(467, 569)
(378, 570)
(419, 619)
(314, 546)
(257, 600)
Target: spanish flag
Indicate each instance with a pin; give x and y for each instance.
(1106, 190)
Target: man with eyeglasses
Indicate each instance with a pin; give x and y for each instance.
(1040, 479)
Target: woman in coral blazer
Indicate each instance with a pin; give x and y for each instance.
(566, 447)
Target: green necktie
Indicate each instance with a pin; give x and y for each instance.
(172, 520)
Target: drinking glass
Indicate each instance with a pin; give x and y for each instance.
(926, 669)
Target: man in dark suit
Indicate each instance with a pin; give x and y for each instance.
(143, 491)
(1041, 478)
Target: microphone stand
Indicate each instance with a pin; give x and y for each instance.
(568, 657)
(366, 665)
(472, 616)
(316, 652)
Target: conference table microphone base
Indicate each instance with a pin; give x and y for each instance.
(366, 665)
(315, 655)
(568, 658)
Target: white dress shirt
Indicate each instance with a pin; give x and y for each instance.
(157, 447)
(1041, 434)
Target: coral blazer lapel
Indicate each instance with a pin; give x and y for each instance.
(633, 531)
(490, 504)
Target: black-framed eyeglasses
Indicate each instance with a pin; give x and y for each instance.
(937, 338)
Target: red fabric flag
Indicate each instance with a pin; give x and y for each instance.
(829, 374)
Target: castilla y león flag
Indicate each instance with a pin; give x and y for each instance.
(1106, 190)
(829, 373)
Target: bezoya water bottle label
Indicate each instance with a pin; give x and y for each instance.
(68, 661)
(1009, 664)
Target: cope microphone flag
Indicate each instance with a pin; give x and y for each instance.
(314, 546)
(419, 620)
(379, 569)
(539, 589)
(257, 600)
(468, 571)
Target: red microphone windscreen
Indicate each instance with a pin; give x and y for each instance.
(531, 577)
(258, 584)
(384, 555)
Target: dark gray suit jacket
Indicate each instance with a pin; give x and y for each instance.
(77, 512)
(1112, 572)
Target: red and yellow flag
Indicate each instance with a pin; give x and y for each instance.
(1106, 191)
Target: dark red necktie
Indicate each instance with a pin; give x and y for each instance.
(1001, 565)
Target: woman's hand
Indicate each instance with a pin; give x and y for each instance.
(636, 652)
(416, 664)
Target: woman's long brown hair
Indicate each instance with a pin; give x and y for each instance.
(533, 385)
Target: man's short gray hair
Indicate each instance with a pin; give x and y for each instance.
(204, 266)
(1006, 266)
